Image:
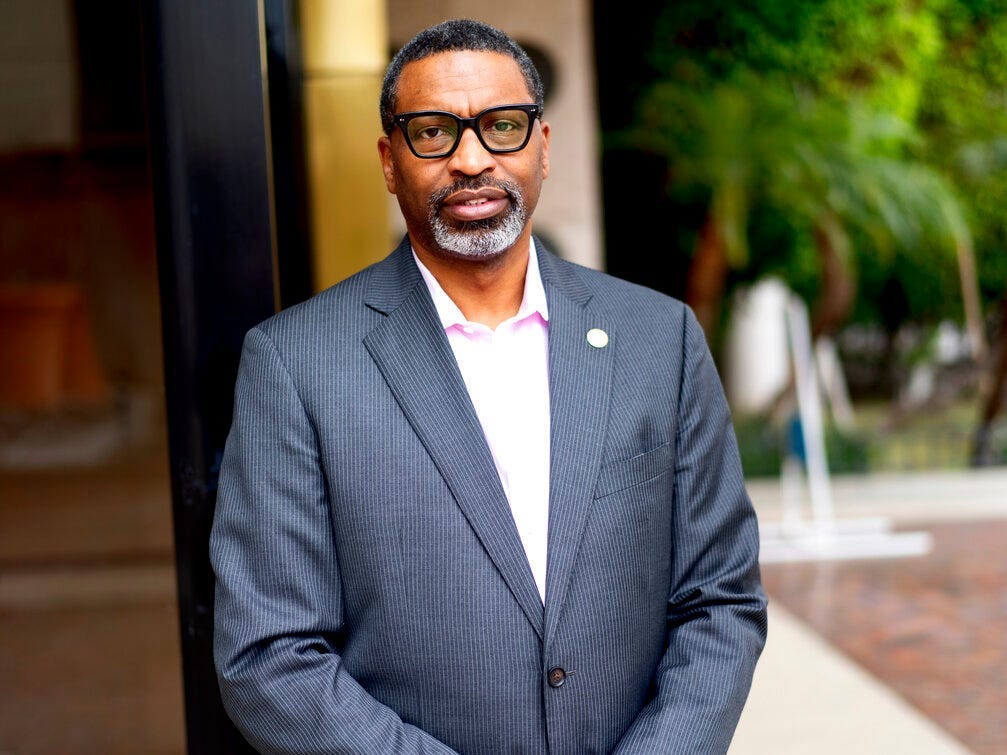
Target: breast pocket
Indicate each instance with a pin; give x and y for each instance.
(628, 473)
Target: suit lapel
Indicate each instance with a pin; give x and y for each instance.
(412, 352)
(580, 381)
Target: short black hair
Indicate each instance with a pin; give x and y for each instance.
(457, 35)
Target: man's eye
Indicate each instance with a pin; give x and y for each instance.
(503, 126)
(433, 133)
(430, 132)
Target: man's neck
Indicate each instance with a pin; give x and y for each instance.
(486, 291)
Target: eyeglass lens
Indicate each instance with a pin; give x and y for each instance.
(498, 130)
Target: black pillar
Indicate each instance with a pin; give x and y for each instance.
(210, 158)
(633, 182)
(286, 108)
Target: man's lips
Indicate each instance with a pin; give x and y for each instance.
(478, 204)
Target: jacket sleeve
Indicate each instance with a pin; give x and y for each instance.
(716, 621)
(278, 606)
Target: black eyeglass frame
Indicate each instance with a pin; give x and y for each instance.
(402, 121)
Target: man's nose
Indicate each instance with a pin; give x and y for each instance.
(470, 157)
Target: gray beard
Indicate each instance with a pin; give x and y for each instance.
(479, 238)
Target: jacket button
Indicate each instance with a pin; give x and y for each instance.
(556, 677)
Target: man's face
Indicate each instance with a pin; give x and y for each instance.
(472, 203)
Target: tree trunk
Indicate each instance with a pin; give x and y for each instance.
(970, 297)
(704, 290)
(993, 403)
(838, 287)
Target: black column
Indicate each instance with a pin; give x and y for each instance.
(211, 172)
(286, 108)
(634, 198)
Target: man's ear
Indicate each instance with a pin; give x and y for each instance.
(387, 162)
(545, 150)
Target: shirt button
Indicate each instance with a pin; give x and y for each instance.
(556, 677)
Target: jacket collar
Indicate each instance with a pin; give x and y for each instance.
(394, 278)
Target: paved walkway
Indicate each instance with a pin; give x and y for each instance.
(809, 697)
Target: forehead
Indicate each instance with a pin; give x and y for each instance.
(462, 82)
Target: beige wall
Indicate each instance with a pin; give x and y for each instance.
(343, 53)
(569, 211)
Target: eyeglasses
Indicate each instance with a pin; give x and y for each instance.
(435, 133)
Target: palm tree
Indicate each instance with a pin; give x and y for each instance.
(979, 161)
(830, 168)
(714, 141)
(857, 178)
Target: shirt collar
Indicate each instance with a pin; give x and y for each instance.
(532, 302)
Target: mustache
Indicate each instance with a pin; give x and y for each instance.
(474, 183)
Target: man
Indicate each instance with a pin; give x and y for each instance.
(476, 498)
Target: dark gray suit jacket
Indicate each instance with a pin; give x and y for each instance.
(373, 595)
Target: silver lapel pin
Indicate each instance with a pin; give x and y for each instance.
(597, 338)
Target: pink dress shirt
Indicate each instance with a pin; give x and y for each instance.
(506, 372)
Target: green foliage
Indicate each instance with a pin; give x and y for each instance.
(847, 452)
(888, 115)
(835, 48)
(760, 445)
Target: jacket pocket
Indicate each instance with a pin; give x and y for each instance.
(636, 470)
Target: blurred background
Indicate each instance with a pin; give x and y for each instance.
(822, 182)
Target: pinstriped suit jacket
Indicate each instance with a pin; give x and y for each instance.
(373, 594)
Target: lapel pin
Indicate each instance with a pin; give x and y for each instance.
(597, 338)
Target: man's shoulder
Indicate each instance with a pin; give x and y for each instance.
(340, 308)
(619, 297)
(647, 322)
(349, 299)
